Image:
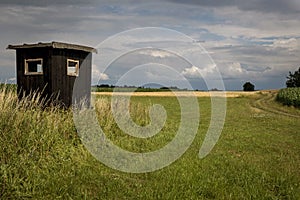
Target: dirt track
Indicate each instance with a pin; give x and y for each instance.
(169, 94)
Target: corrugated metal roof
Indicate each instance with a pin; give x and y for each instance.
(56, 45)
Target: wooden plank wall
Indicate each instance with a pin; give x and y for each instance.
(32, 83)
(55, 80)
(63, 84)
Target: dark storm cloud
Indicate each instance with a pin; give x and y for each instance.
(281, 6)
(61, 2)
(216, 3)
(255, 68)
(278, 6)
(45, 2)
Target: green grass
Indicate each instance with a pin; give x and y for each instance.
(256, 157)
(8, 87)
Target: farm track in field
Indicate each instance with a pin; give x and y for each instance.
(266, 102)
(262, 100)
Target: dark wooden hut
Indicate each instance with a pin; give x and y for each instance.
(52, 68)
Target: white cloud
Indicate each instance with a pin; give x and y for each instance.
(233, 70)
(156, 53)
(97, 75)
(193, 72)
(103, 77)
(12, 79)
(291, 44)
(236, 68)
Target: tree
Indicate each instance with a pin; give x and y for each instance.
(248, 86)
(293, 79)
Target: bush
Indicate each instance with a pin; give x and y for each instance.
(289, 96)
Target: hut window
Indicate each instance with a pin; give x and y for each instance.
(72, 67)
(34, 66)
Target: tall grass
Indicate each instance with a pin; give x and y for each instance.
(34, 141)
(41, 155)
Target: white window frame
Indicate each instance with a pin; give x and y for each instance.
(27, 72)
(76, 67)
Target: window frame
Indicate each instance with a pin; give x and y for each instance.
(27, 72)
(76, 73)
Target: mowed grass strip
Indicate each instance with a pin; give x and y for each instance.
(41, 157)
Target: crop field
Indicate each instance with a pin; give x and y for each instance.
(256, 157)
(289, 96)
(176, 93)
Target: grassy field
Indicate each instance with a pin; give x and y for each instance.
(256, 157)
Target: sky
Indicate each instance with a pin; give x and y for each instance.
(192, 43)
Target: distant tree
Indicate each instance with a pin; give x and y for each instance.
(103, 86)
(248, 86)
(293, 79)
(164, 88)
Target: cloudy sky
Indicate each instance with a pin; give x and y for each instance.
(254, 40)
